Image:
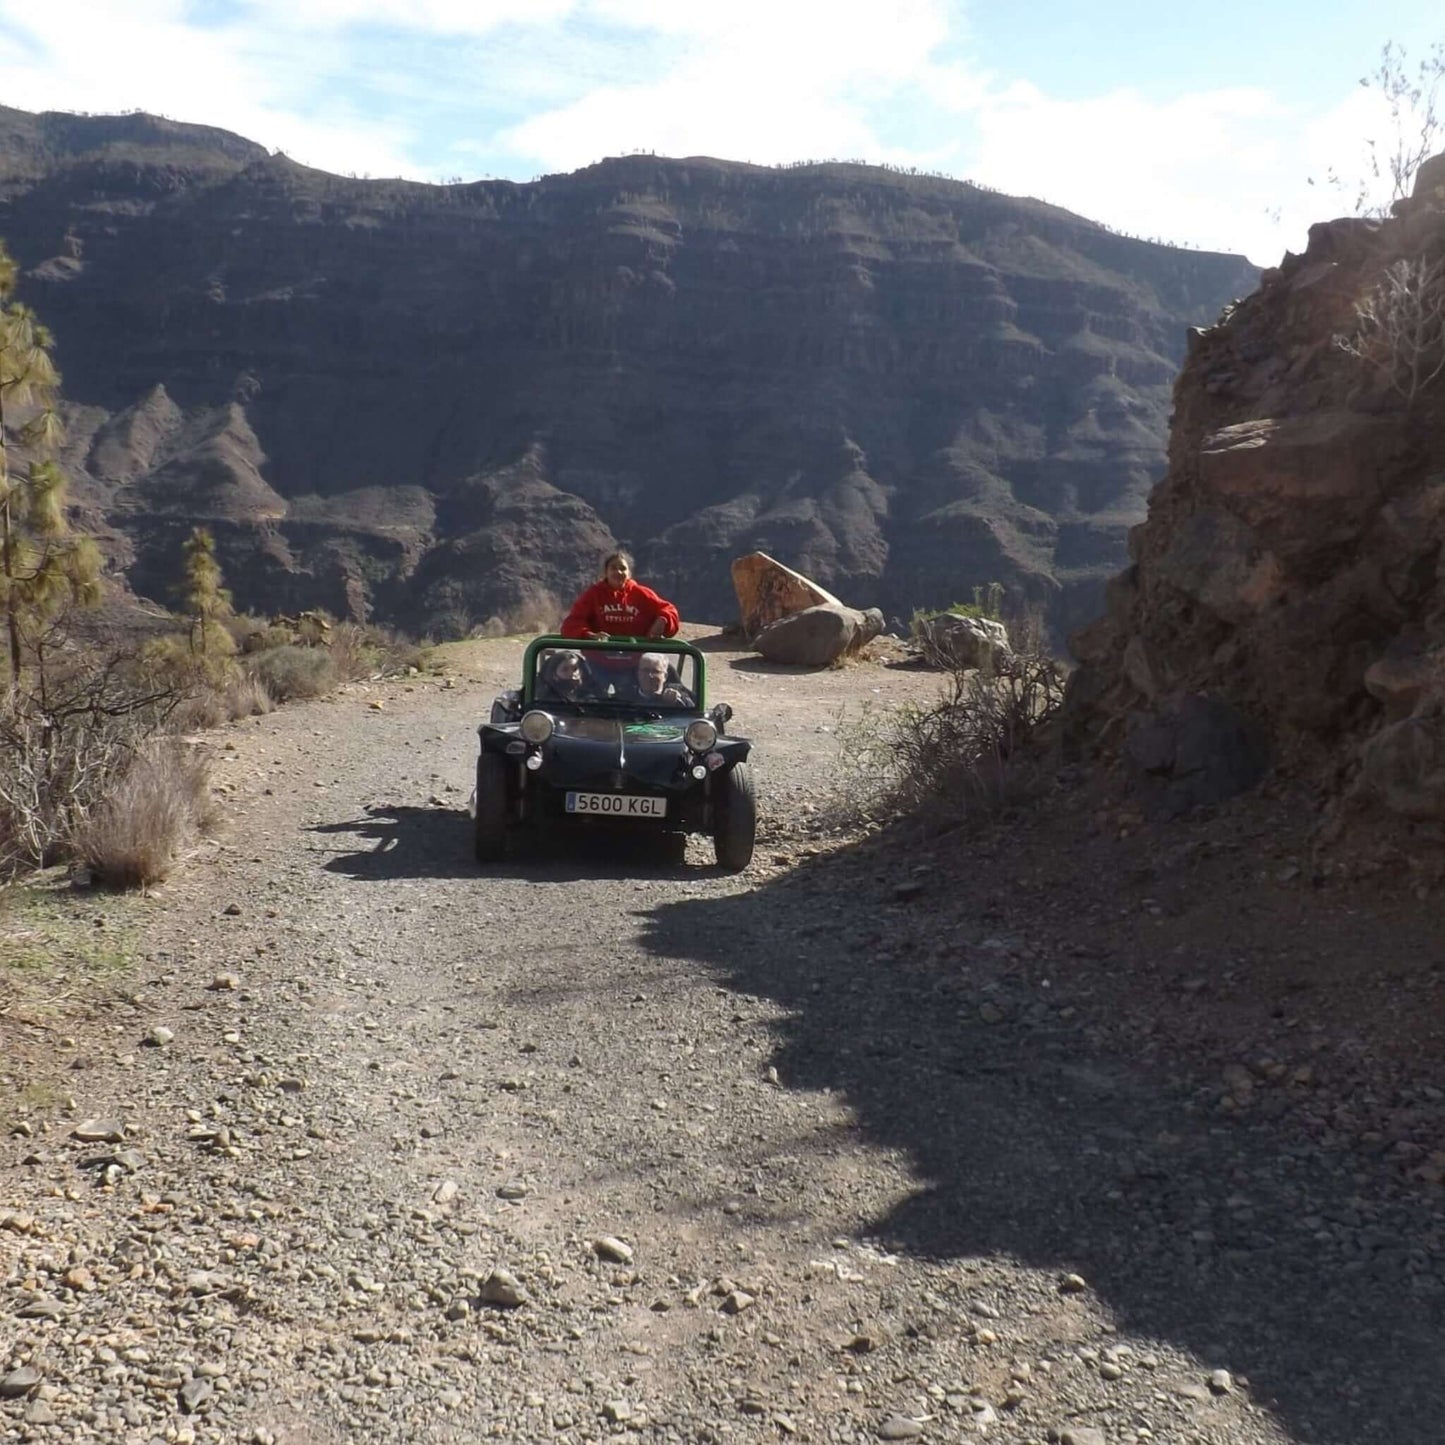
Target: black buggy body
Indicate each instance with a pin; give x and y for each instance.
(617, 735)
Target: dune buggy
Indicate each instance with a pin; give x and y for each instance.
(613, 735)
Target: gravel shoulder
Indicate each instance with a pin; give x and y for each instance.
(1075, 1129)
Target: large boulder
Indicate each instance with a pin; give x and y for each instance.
(768, 591)
(818, 636)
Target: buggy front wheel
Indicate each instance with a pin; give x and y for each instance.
(735, 819)
(490, 837)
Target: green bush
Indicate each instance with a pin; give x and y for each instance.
(987, 602)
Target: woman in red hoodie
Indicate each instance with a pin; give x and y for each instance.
(618, 606)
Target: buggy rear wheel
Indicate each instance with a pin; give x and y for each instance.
(490, 837)
(735, 819)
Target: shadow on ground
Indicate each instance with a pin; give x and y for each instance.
(410, 842)
(772, 669)
(1051, 1139)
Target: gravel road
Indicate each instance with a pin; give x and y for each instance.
(380, 1147)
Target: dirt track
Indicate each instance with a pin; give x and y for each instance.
(892, 1144)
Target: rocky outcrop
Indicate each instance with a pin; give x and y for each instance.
(901, 386)
(1286, 588)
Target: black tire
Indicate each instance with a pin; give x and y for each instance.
(735, 819)
(491, 819)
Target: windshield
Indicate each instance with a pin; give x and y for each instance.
(657, 681)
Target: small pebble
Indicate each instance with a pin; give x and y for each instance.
(900, 1427)
(19, 1382)
(504, 1289)
(99, 1131)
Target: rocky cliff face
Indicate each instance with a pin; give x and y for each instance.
(1285, 598)
(437, 404)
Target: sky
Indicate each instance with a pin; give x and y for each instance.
(1213, 126)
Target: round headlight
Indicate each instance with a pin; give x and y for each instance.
(700, 735)
(536, 727)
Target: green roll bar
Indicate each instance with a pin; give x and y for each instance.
(585, 645)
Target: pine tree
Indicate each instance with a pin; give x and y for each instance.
(207, 602)
(42, 566)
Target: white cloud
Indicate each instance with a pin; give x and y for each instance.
(445, 17)
(758, 80)
(97, 57)
(1224, 169)
(529, 85)
(814, 37)
(1156, 170)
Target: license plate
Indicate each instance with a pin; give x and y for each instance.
(617, 805)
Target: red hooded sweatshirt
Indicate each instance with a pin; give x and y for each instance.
(628, 613)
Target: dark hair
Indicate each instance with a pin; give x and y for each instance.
(612, 557)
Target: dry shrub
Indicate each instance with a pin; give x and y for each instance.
(957, 757)
(99, 696)
(254, 635)
(241, 696)
(50, 778)
(247, 697)
(152, 812)
(1400, 326)
(291, 673)
(537, 613)
(360, 652)
(203, 710)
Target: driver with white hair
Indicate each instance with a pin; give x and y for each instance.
(654, 684)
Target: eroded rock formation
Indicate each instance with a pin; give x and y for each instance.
(1289, 574)
(439, 404)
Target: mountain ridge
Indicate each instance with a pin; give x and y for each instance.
(902, 384)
